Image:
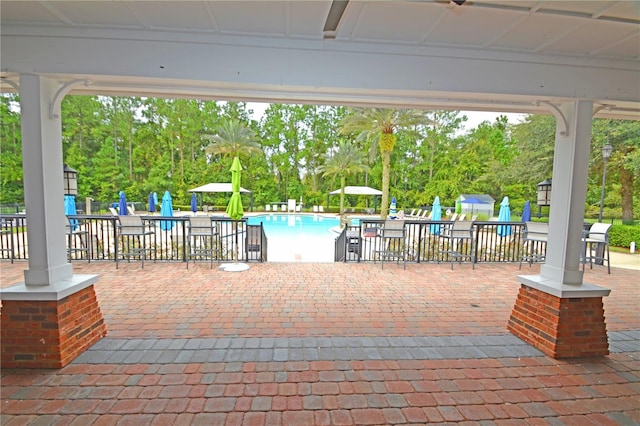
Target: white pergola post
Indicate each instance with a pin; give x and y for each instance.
(556, 311)
(44, 198)
(61, 308)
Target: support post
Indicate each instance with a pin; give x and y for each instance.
(556, 311)
(60, 308)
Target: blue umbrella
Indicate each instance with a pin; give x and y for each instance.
(392, 209)
(70, 209)
(152, 203)
(504, 216)
(194, 203)
(526, 212)
(166, 210)
(122, 206)
(436, 214)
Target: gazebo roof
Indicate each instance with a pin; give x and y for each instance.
(358, 190)
(217, 187)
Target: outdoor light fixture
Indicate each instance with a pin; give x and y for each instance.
(70, 178)
(606, 154)
(544, 195)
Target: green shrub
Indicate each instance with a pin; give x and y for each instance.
(622, 235)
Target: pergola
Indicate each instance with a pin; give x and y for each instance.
(357, 190)
(575, 60)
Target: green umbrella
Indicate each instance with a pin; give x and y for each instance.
(235, 212)
(234, 208)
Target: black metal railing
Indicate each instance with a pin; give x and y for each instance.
(96, 238)
(423, 241)
(237, 239)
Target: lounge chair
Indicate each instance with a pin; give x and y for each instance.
(291, 205)
(321, 209)
(462, 216)
(315, 209)
(412, 214)
(453, 217)
(113, 211)
(267, 207)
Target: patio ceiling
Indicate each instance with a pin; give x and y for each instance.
(516, 56)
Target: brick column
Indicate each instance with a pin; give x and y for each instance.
(560, 327)
(49, 333)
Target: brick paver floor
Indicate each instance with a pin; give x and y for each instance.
(326, 344)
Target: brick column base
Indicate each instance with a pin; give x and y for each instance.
(50, 334)
(560, 327)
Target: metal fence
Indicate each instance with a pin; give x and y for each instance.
(97, 238)
(426, 241)
(93, 238)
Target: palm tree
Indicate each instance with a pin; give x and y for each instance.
(382, 123)
(233, 139)
(347, 160)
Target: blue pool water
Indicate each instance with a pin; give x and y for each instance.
(293, 225)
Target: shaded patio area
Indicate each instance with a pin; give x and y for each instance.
(326, 343)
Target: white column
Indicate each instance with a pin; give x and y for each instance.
(561, 274)
(44, 194)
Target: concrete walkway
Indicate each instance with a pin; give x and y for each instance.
(326, 344)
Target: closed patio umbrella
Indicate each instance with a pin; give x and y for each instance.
(504, 216)
(436, 214)
(235, 212)
(70, 209)
(526, 212)
(234, 208)
(152, 203)
(194, 203)
(122, 204)
(392, 209)
(166, 210)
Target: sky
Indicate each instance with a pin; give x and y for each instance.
(473, 117)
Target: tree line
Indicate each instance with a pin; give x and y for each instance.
(143, 145)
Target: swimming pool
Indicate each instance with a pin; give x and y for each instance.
(298, 238)
(295, 225)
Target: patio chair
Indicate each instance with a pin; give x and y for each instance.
(393, 242)
(134, 231)
(267, 207)
(202, 239)
(595, 246)
(534, 242)
(457, 241)
(321, 209)
(77, 238)
(291, 205)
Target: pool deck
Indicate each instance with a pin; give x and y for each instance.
(326, 343)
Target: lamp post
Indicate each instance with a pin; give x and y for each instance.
(606, 154)
(404, 197)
